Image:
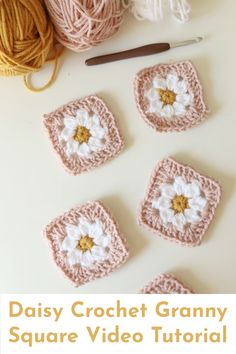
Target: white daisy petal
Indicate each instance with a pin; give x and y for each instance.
(159, 82)
(184, 99)
(155, 204)
(72, 147)
(95, 144)
(95, 120)
(73, 231)
(155, 107)
(167, 190)
(198, 203)
(87, 260)
(98, 253)
(179, 221)
(82, 113)
(103, 241)
(81, 121)
(74, 257)
(171, 81)
(70, 122)
(179, 186)
(83, 150)
(192, 189)
(153, 94)
(84, 221)
(179, 109)
(167, 215)
(67, 133)
(168, 111)
(97, 131)
(181, 87)
(95, 229)
(161, 203)
(88, 123)
(69, 244)
(84, 226)
(191, 216)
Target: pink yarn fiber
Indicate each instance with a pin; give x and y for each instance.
(83, 24)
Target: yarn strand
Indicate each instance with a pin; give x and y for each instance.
(55, 59)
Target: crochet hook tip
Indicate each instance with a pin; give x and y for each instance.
(188, 42)
(199, 39)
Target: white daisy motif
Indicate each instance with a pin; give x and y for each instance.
(180, 203)
(169, 97)
(83, 134)
(86, 243)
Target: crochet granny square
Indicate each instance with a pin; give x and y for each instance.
(84, 134)
(180, 203)
(169, 97)
(166, 284)
(86, 243)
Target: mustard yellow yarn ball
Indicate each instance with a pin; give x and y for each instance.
(26, 36)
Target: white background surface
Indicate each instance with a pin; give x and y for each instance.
(34, 188)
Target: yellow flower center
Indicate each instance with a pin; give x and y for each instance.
(85, 243)
(167, 96)
(179, 204)
(82, 135)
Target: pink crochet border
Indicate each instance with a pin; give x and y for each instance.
(149, 217)
(55, 233)
(53, 123)
(195, 115)
(165, 284)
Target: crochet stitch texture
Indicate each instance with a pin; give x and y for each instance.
(195, 113)
(110, 144)
(191, 234)
(166, 284)
(55, 234)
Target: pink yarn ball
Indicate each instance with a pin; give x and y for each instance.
(83, 24)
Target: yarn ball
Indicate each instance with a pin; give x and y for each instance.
(82, 24)
(153, 10)
(26, 36)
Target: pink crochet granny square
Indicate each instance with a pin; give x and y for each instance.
(169, 96)
(84, 134)
(86, 243)
(166, 284)
(180, 203)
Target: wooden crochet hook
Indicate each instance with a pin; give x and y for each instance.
(140, 51)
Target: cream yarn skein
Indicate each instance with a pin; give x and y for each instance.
(153, 10)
